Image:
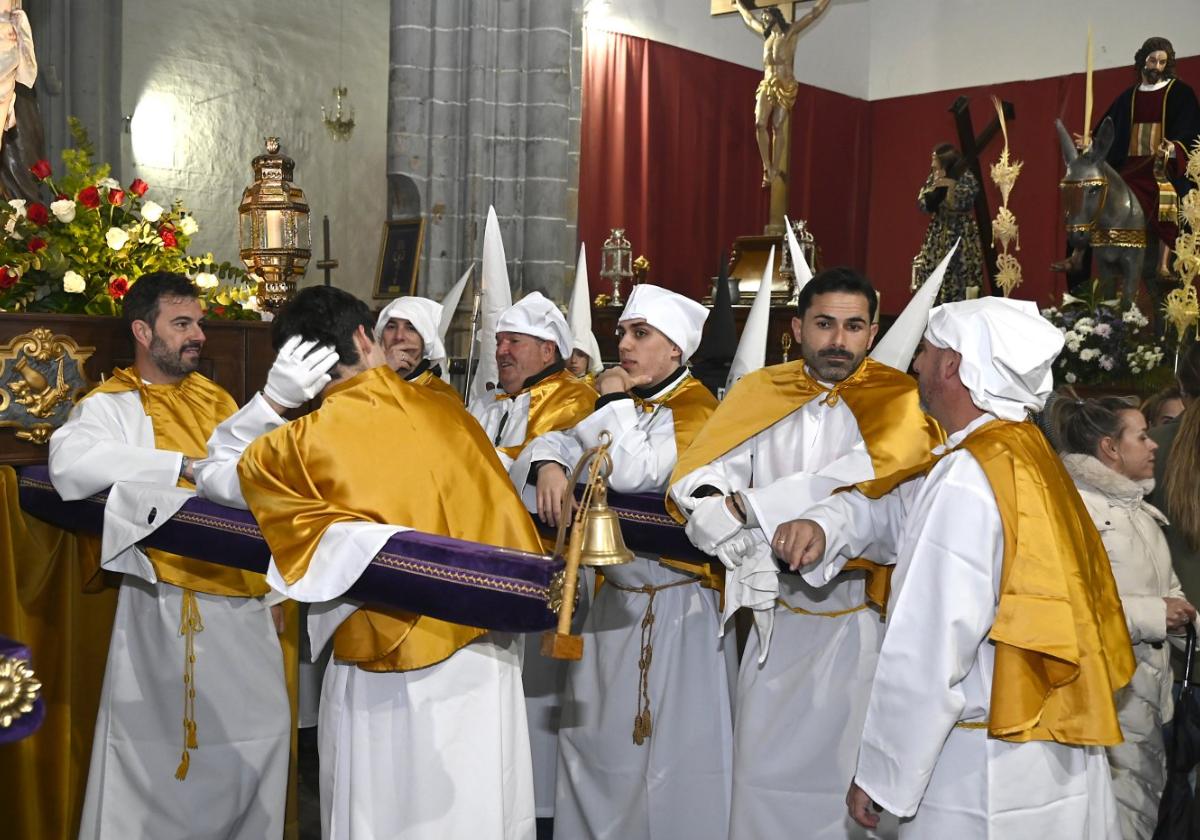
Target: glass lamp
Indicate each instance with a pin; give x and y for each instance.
(616, 262)
(273, 231)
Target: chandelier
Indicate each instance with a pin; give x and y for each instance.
(339, 120)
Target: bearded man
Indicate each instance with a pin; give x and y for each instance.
(194, 727)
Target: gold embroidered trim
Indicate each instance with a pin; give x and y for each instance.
(1118, 237)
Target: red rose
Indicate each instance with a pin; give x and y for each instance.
(41, 170)
(138, 187)
(8, 278)
(219, 311)
(37, 213)
(168, 237)
(36, 244)
(62, 197)
(89, 197)
(117, 287)
(116, 197)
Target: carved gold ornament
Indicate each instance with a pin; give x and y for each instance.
(1004, 227)
(19, 690)
(41, 378)
(1008, 273)
(1182, 308)
(1005, 230)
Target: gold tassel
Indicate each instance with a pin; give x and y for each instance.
(190, 623)
(184, 764)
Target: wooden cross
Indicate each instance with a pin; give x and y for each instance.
(327, 265)
(729, 7)
(972, 147)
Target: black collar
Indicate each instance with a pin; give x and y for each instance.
(645, 392)
(418, 370)
(544, 373)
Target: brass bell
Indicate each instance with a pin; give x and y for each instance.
(602, 543)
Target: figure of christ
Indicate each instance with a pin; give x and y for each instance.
(777, 91)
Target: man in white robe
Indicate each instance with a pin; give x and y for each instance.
(759, 467)
(407, 331)
(537, 394)
(432, 744)
(646, 713)
(235, 730)
(936, 749)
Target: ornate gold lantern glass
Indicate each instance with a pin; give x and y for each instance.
(616, 262)
(273, 231)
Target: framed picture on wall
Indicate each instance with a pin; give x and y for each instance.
(399, 258)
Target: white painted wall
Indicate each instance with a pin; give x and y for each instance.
(917, 46)
(832, 54)
(207, 82)
(878, 49)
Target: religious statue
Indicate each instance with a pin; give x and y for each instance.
(21, 137)
(777, 91)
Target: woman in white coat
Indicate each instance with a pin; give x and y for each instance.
(1111, 459)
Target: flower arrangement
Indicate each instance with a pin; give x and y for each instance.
(1106, 340)
(82, 251)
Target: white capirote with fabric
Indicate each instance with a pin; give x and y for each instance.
(821, 660)
(505, 420)
(425, 315)
(237, 778)
(608, 786)
(943, 532)
(440, 750)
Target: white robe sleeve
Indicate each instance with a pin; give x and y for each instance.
(216, 475)
(94, 449)
(943, 607)
(559, 446)
(732, 471)
(643, 445)
(857, 526)
(785, 499)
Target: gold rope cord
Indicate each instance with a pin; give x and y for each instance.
(832, 614)
(642, 725)
(190, 623)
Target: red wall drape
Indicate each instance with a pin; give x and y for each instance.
(667, 151)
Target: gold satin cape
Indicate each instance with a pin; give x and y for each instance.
(435, 383)
(1062, 647)
(380, 449)
(184, 417)
(884, 403)
(557, 402)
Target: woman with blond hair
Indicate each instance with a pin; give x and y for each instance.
(1111, 460)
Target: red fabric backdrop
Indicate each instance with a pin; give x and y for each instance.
(667, 151)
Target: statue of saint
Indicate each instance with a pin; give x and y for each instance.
(777, 91)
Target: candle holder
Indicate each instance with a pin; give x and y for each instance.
(273, 232)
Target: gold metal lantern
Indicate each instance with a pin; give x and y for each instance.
(273, 230)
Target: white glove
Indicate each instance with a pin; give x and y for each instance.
(736, 549)
(298, 375)
(711, 524)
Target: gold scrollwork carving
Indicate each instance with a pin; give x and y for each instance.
(554, 598)
(19, 690)
(41, 378)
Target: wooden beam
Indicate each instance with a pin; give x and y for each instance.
(729, 7)
(972, 146)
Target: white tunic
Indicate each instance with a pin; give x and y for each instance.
(505, 421)
(935, 670)
(236, 783)
(440, 752)
(676, 783)
(798, 714)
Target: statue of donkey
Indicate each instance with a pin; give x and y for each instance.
(1100, 210)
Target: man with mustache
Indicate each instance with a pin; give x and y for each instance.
(636, 742)
(194, 726)
(993, 695)
(785, 437)
(407, 330)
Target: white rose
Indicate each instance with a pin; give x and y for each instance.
(188, 226)
(1070, 377)
(116, 238)
(206, 281)
(18, 204)
(63, 210)
(152, 212)
(73, 283)
(10, 227)
(111, 183)
(251, 303)
(1088, 353)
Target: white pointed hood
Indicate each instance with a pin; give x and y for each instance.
(497, 298)
(800, 266)
(579, 315)
(752, 347)
(898, 345)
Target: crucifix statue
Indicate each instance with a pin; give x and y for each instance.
(776, 92)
